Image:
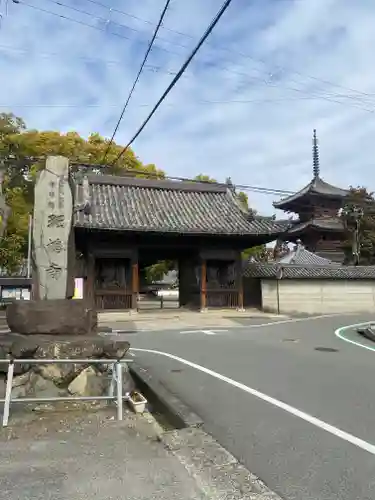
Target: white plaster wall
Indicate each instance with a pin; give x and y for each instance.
(319, 296)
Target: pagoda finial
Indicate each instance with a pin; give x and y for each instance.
(316, 168)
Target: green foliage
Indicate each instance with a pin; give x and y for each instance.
(243, 199)
(259, 253)
(157, 271)
(204, 178)
(18, 144)
(360, 198)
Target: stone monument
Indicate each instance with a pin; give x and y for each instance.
(52, 312)
(62, 328)
(53, 213)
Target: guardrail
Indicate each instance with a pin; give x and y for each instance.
(116, 382)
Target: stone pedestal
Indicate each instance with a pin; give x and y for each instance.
(51, 317)
(63, 379)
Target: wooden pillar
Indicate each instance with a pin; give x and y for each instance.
(135, 283)
(89, 292)
(240, 282)
(203, 284)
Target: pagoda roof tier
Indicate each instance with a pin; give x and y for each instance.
(163, 206)
(317, 188)
(324, 224)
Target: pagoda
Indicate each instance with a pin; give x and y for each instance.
(319, 226)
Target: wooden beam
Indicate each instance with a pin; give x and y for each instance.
(239, 279)
(135, 283)
(89, 288)
(203, 284)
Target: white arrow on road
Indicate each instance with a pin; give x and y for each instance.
(206, 332)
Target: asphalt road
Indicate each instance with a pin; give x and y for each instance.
(296, 455)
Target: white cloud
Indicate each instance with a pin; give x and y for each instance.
(298, 57)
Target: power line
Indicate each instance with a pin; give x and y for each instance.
(147, 105)
(179, 74)
(96, 60)
(356, 98)
(156, 175)
(157, 69)
(164, 11)
(72, 20)
(247, 56)
(265, 81)
(90, 14)
(302, 206)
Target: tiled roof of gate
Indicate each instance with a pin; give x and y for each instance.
(290, 271)
(302, 257)
(135, 204)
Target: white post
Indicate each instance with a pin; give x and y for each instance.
(111, 390)
(119, 390)
(29, 246)
(8, 393)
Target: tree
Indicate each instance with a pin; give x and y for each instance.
(157, 271)
(359, 214)
(22, 154)
(204, 178)
(244, 200)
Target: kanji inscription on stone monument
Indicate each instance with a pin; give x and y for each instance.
(52, 227)
(55, 245)
(55, 220)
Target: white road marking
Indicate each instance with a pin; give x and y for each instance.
(206, 332)
(360, 443)
(293, 320)
(271, 323)
(339, 334)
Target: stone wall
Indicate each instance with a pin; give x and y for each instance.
(62, 379)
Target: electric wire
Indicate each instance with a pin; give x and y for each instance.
(161, 18)
(328, 98)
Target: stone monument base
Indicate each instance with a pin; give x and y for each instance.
(62, 379)
(51, 317)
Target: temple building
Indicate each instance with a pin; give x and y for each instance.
(133, 223)
(319, 226)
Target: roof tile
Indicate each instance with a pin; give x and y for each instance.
(134, 204)
(301, 256)
(316, 187)
(309, 272)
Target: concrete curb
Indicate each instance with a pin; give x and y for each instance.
(367, 332)
(161, 399)
(217, 472)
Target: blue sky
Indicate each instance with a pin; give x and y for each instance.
(271, 72)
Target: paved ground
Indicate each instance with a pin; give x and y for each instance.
(66, 453)
(169, 319)
(298, 416)
(87, 457)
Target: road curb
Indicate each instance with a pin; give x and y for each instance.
(176, 412)
(216, 470)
